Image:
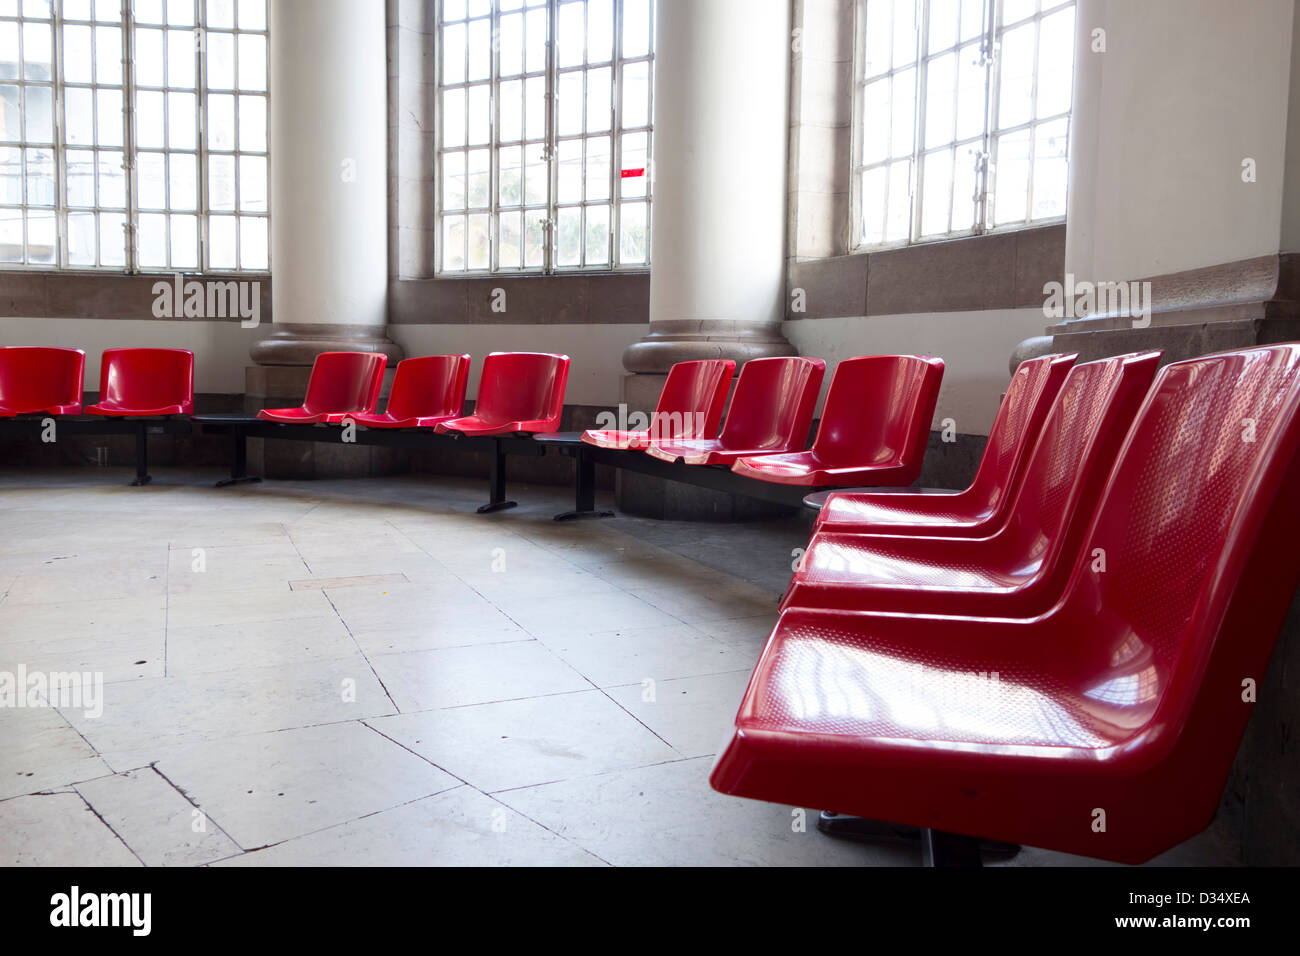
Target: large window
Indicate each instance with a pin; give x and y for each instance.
(544, 135)
(133, 134)
(962, 116)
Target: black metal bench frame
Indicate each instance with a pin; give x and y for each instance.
(241, 428)
(32, 426)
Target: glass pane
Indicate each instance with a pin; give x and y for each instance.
(1051, 173)
(936, 193)
(151, 180)
(252, 123)
(940, 96)
(112, 239)
(571, 35)
(253, 239)
(221, 182)
(636, 27)
(876, 123)
(633, 247)
(535, 30)
(252, 183)
(508, 237)
(37, 52)
(184, 181)
(479, 178)
(963, 187)
(11, 175)
(480, 114)
(570, 104)
(151, 238)
(453, 53)
(9, 114)
(146, 11)
(971, 80)
(221, 121)
(1011, 180)
(180, 12)
(79, 116)
(596, 249)
(453, 180)
(902, 114)
(536, 176)
(636, 95)
(40, 115)
(8, 44)
(480, 50)
(600, 31)
(510, 178)
(945, 17)
(108, 55)
(1015, 96)
(478, 240)
(252, 61)
(569, 173)
(81, 239)
(80, 187)
(598, 99)
(534, 239)
(511, 105)
(535, 108)
(1013, 10)
(905, 33)
(1055, 63)
(634, 174)
(108, 129)
(77, 57)
(453, 118)
(40, 177)
(568, 236)
(221, 14)
(112, 180)
(972, 19)
(877, 33)
(512, 47)
(11, 235)
(149, 58)
(180, 58)
(597, 168)
(899, 216)
(185, 242)
(222, 242)
(221, 61)
(252, 14)
(181, 121)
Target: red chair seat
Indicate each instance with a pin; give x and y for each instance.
(873, 431)
(37, 380)
(982, 507)
(427, 391)
(1020, 569)
(518, 392)
(342, 385)
(1123, 699)
(690, 406)
(145, 382)
(771, 411)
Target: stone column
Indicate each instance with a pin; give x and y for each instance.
(329, 176)
(722, 71)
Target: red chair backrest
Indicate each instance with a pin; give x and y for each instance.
(147, 378)
(345, 382)
(878, 410)
(691, 403)
(521, 386)
(773, 404)
(1074, 453)
(429, 386)
(1198, 524)
(35, 377)
(1020, 418)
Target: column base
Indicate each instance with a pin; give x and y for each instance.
(298, 343)
(685, 340)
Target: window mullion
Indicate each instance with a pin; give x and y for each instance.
(131, 167)
(552, 149)
(918, 114)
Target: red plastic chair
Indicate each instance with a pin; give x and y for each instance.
(771, 411)
(140, 382)
(690, 406)
(342, 385)
(517, 392)
(983, 506)
(426, 391)
(874, 426)
(1019, 569)
(1125, 698)
(36, 379)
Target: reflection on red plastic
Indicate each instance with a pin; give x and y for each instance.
(631, 173)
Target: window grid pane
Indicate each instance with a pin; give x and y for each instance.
(543, 153)
(126, 184)
(952, 139)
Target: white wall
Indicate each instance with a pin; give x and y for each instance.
(975, 347)
(595, 372)
(1185, 90)
(220, 348)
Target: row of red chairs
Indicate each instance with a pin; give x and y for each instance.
(1062, 654)
(132, 382)
(873, 429)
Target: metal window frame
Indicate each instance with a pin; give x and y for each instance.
(550, 149)
(129, 149)
(985, 174)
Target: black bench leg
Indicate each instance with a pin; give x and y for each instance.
(142, 476)
(497, 483)
(584, 490)
(937, 847)
(238, 459)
